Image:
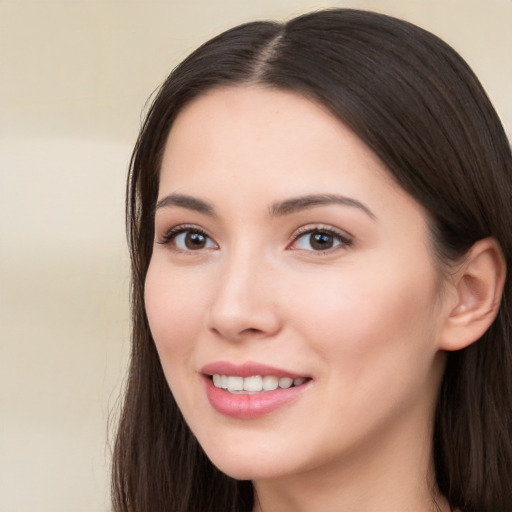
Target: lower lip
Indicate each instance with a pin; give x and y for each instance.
(251, 406)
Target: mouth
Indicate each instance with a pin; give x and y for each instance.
(251, 390)
(255, 383)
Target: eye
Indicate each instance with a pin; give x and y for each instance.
(192, 241)
(188, 239)
(319, 240)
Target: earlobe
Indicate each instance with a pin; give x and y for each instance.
(478, 286)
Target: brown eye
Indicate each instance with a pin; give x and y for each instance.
(190, 240)
(321, 241)
(318, 240)
(195, 241)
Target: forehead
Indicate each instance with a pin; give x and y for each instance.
(261, 132)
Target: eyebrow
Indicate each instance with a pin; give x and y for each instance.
(310, 201)
(278, 209)
(184, 201)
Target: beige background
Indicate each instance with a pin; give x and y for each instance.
(74, 76)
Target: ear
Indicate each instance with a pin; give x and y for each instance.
(478, 286)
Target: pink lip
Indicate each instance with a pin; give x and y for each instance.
(249, 406)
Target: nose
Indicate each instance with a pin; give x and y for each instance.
(244, 303)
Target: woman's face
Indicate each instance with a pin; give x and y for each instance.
(285, 256)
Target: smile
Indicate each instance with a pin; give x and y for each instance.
(251, 390)
(254, 383)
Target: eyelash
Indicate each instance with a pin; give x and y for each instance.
(343, 239)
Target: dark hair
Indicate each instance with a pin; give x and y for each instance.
(414, 101)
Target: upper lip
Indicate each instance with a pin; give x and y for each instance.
(248, 369)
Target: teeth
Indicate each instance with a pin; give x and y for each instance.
(270, 383)
(235, 383)
(255, 383)
(285, 382)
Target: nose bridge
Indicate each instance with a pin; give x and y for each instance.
(243, 303)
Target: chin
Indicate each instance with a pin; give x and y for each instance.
(247, 471)
(253, 464)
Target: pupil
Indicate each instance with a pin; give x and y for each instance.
(195, 241)
(321, 241)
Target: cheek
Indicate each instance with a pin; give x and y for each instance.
(370, 322)
(375, 341)
(175, 314)
(174, 310)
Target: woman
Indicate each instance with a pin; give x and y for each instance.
(319, 226)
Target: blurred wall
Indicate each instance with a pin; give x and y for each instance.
(74, 76)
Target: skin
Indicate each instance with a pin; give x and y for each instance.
(362, 319)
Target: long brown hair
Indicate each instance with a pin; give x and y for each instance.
(419, 107)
